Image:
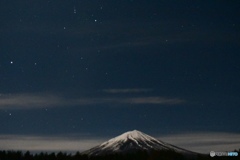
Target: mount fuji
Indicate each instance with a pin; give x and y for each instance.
(134, 141)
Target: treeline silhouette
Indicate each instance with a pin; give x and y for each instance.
(141, 155)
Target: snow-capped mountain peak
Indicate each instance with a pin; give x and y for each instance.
(132, 135)
(129, 142)
(135, 139)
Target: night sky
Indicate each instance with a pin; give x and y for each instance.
(74, 73)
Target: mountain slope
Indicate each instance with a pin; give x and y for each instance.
(133, 141)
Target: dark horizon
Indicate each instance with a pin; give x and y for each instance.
(85, 71)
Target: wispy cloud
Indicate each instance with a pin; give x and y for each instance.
(31, 101)
(204, 142)
(153, 100)
(45, 143)
(128, 90)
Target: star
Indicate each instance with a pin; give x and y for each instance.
(74, 10)
(11, 62)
